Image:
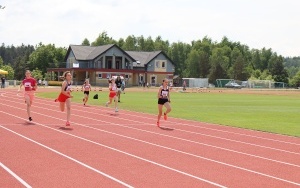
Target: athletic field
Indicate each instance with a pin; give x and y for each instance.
(201, 144)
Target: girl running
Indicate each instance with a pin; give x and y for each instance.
(30, 86)
(112, 94)
(163, 96)
(65, 95)
(86, 87)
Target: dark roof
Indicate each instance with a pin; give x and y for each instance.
(86, 53)
(89, 52)
(143, 57)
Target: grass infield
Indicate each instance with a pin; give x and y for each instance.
(270, 112)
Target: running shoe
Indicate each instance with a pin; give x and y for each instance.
(30, 119)
(157, 123)
(165, 116)
(67, 123)
(106, 104)
(116, 110)
(55, 100)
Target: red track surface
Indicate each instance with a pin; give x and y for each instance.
(104, 149)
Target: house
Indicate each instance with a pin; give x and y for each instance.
(98, 63)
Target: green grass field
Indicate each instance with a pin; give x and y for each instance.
(270, 113)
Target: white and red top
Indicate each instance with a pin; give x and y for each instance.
(29, 84)
(113, 88)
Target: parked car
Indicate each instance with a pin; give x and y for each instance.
(233, 85)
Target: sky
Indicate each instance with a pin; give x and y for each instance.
(258, 24)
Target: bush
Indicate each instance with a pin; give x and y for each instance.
(55, 83)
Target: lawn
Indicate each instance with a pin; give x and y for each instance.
(265, 112)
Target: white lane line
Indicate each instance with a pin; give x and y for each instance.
(191, 132)
(108, 147)
(208, 145)
(15, 175)
(191, 141)
(68, 157)
(201, 127)
(101, 114)
(204, 158)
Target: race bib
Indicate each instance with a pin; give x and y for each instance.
(164, 94)
(27, 84)
(68, 88)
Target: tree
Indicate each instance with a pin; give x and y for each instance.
(1, 62)
(159, 44)
(37, 74)
(238, 70)
(85, 42)
(21, 66)
(10, 70)
(141, 46)
(149, 45)
(46, 56)
(295, 81)
(193, 64)
(130, 43)
(103, 39)
(219, 65)
(204, 50)
(179, 53)
(278, 72)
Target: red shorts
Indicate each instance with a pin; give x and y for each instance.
(112, 94)
(30, 94)
(62, 97)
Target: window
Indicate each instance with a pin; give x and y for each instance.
(126, 76)
(157, 64)
(163, 64)
(100, 75)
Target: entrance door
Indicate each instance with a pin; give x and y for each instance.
(153, 80)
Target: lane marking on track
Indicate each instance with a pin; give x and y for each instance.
(207, 135)
(154, 119)
(167, 167)
(208, 145)
(201, 127)
(195, 142)
(15, 175)
(114, 149)
(68, 157)
(177, 138)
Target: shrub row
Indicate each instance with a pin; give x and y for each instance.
(54, 83)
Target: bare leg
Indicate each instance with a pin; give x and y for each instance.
(109, 101)
(86, 98)
(168, 106)
(159, 112)
(62, 106)
(116, 103)
(119, 95)
(68, 104)
(28, 102)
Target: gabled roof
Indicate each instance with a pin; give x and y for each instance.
(85, 53)
(143, 57)
(88, 52)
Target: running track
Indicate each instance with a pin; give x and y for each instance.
(104, 149)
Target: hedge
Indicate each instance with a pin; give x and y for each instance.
(55, 83)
